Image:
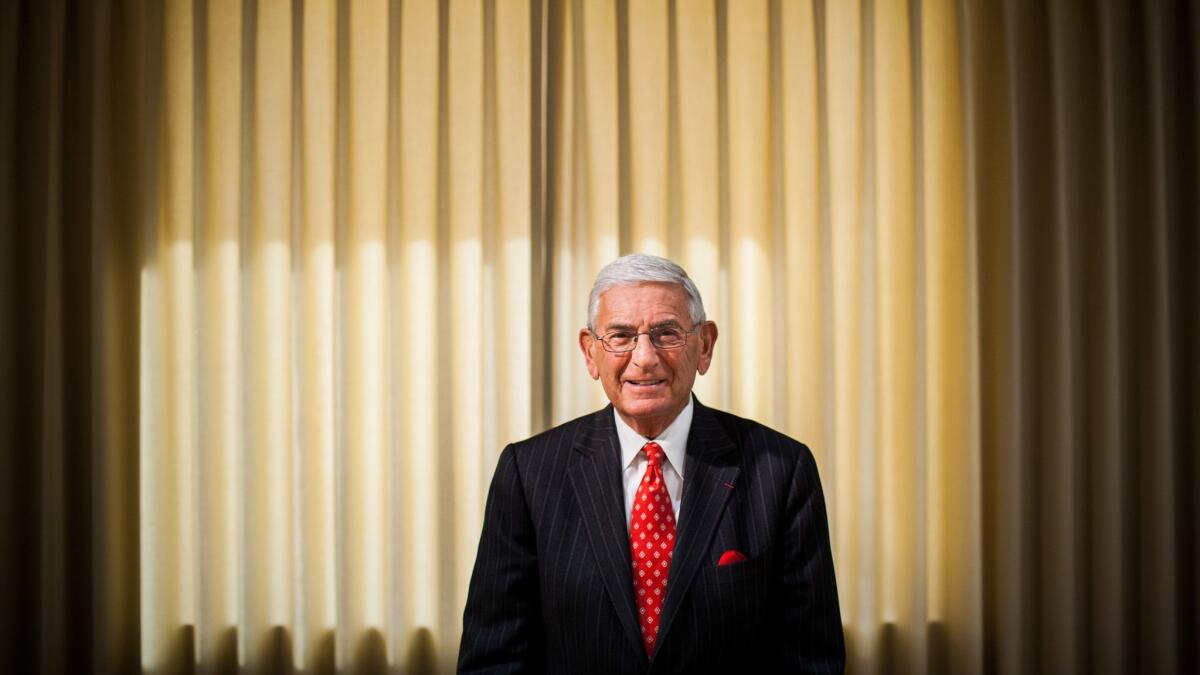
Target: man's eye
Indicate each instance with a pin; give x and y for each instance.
(670, 334)
(620, 336)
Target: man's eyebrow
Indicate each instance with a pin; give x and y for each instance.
(667, 323)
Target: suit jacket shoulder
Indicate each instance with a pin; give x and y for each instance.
(555, 439)
(755, 437)
(543, 460)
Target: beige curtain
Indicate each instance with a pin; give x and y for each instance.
(280, 279)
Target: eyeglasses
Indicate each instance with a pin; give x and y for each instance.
(663, 337)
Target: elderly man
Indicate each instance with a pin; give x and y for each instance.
(656, 535)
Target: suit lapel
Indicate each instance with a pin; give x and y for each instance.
(596, 479)
(712, 469)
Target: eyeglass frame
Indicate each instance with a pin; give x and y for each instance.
(648, 333)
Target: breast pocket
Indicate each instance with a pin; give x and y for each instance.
(734, 604)
(747, 571)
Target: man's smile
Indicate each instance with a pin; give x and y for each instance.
(645, 384)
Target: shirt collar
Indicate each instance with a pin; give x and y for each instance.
(673, 439)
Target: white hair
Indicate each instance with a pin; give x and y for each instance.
(639, 268)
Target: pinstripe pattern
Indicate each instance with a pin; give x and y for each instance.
(552, 589)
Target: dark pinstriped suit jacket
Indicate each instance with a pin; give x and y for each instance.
(552, 588)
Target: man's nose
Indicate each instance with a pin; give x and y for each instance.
(645, 354)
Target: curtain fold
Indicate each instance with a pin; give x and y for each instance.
(279, 280)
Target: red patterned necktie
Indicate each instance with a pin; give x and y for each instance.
(652, 540)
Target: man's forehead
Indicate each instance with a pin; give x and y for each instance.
(633, 302)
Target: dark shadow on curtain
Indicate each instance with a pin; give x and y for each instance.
(70, 213)
(1086, 190)
(370, 655)
(939, 649)
(225, 655)
(421, 653)
(274, 653)
(181, 655)
(322, 655)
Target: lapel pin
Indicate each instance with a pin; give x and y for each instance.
(728, 485)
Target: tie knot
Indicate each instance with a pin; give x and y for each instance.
(654, 453)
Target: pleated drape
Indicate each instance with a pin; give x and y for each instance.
(336, 309)
(1088, 224)
(280, 279)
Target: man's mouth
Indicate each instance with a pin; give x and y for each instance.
(644, 383)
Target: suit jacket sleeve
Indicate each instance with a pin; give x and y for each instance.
(502, 629)
(812, 618)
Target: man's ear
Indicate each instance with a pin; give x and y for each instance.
(585, 345)
(708, 338)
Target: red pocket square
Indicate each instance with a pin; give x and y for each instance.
(730, 557)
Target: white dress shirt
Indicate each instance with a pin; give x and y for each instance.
(673, 441)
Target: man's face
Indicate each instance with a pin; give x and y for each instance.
(648, 386)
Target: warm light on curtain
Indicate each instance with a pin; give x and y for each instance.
(336, 312)
(289, 275)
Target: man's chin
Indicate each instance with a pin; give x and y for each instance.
(646, 409)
